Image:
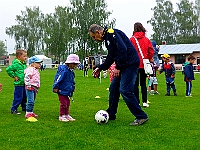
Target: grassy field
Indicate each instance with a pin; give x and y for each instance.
(173, 121)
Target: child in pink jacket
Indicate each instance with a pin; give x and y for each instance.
(32, 84)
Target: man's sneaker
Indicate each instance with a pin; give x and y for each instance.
(15, 112)
(68, 117)
(63, 118)
(188, 96)
(138, 122)
(157, 93)
(145, 105)
(167, 94)
(175, 94)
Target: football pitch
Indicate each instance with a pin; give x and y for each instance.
(173, 120)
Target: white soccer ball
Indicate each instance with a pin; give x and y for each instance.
(102, 117)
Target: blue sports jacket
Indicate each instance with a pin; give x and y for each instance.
(64, 81)
(120, 50)
(188, 72)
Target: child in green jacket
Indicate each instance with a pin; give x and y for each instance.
(16, 71)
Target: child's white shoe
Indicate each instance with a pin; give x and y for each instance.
(63, 118)
(68, 117)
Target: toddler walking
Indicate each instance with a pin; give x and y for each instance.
(32, 84)
(64, 85)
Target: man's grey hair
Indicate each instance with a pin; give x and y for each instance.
(95, 27)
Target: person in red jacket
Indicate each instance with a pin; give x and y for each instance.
(148, 52)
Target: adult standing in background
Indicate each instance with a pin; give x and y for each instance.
(98, 60)
(122, 52)
(156, 50)
(148, 52)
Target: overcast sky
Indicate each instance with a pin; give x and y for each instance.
(126, 12)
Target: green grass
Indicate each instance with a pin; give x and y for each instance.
(173, 121)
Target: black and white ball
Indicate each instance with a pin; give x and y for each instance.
(102, 117)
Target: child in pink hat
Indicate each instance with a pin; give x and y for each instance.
(64, 85)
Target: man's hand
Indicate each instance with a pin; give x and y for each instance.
(96, 72)
(116, 73)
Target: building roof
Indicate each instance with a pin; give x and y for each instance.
(179, 48)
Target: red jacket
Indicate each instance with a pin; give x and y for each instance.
(145, 45)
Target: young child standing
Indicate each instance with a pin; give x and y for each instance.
(16, 71)
(152, 79)
(64, 85)
(189, 75)
(169, 69)
(86, 66)
(32, 84)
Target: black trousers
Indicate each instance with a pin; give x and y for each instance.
(141, 78)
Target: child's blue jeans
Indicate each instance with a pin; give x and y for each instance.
(170, 84)
(31, 95)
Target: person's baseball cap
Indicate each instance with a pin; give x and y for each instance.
(34, 59)
(72, 58)
(165, 55)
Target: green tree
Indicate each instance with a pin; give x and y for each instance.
(2, 48)
(187, 22)
(28, 33)
(163, 21)
(63, 32)
(87, 12)
(197, 12)
(56, 26)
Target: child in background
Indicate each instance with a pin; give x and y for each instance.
(152, 78)
(189, 75)
(1, 87)
(64, 85)
(198, 68)
(86, 66)
(16, 71)
(169, 69)
(111, 71)
(32, 84)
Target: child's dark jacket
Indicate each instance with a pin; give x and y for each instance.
(168, 68)
(188, 72)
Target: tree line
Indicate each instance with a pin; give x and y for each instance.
(176, 25)
(66, 30)
(60, 33)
